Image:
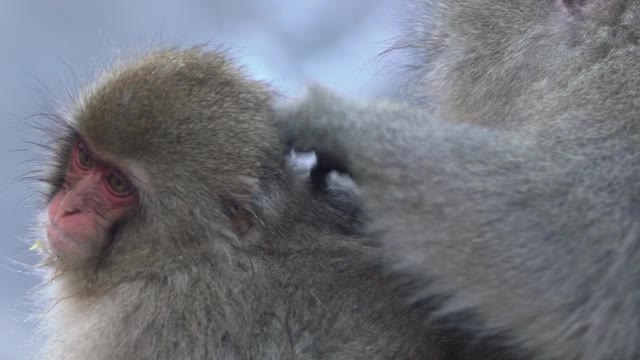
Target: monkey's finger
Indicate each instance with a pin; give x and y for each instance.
(325, 164)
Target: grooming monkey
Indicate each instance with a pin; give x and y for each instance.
(175, 230)
(517, 191)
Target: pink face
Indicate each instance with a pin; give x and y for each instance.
(94, 196)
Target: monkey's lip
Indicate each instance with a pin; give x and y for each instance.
(60, 242)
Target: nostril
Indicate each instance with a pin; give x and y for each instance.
(71, 212)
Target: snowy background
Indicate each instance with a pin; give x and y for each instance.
(46, 46)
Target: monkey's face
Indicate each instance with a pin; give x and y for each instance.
(94, 196)
(148, 159)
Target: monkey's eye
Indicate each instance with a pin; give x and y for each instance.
(84, 158)
(119, 185)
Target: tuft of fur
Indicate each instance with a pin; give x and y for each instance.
(513, 63)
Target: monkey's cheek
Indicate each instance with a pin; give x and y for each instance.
(65, 246)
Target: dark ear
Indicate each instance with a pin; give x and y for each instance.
(237, 204)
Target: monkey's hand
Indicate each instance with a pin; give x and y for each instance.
(318, 123)
(355, 138)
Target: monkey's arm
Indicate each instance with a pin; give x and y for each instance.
(340, 131)
(515, 232)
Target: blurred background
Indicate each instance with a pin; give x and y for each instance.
(47, 47)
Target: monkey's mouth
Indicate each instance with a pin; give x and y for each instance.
(62, 244)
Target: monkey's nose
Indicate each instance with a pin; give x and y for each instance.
(70, 211)
(70, 205)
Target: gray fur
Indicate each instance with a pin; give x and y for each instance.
(514, 63)
(517, 190)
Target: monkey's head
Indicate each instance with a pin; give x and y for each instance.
(512, 62)
(162, 157)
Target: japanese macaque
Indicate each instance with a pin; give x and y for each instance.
(514, 189)
(176, 230)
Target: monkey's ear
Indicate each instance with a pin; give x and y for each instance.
(238, 204)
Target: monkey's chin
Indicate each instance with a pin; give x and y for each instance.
(65, 246)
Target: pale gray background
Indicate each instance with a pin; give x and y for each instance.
(46, 46)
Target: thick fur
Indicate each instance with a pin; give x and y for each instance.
(564, 76)
(521, 62)
(228, 255)
(517, 191)
(533, 229)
